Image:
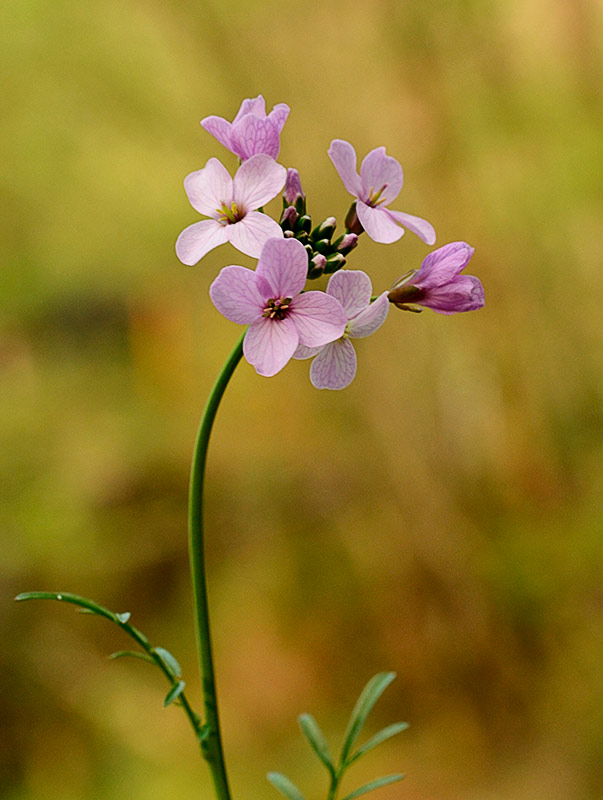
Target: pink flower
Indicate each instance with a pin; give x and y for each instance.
(269, 300)
(335, 364)
(438, 284)
(232, 207)
(251, 131)
(378, 185)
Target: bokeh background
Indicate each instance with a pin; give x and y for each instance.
(441, 518)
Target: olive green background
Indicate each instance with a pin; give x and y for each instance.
(441, 518)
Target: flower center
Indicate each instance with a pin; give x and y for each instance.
(374, 198)
(229, 215)
(277, 307)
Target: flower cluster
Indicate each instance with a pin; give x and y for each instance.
(286, 321)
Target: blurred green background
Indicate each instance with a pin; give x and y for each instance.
(441, 518)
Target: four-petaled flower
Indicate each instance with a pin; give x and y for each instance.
(251, 131)
(270, 301)
(378, 184)
(232, 207)
(438, 283)
(335, 364)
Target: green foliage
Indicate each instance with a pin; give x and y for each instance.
(284, 785)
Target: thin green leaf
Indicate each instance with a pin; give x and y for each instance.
(174, 693)
(317, 740)
(284, 785)
(132, 654)
(382, 736)
(66, 597)
(376, 784)
(169, 661)
(364, 705)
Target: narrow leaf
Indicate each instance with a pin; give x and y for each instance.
(376, 784)
(317, 740)
(83, 602)
(174, 693)
(364, 705)
(132, 654)
(169, 661)
(382, 736)
(124, 617)
(284, 785)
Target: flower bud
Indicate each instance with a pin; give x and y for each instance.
(352, 223)
(288, 218)
(304, 223)
(325, 230)
(334, 262)
(346, 243)
(293, 194)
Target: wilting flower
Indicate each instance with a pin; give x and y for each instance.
(335, 364)
(251, 131)
(232, 207)
(438, 283)
(378, 185)
(269, 301)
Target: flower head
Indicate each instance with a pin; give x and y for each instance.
(251, 131)
(378, 185)
(270, 301)
(232, 207)
(438, 283)
(335, 364)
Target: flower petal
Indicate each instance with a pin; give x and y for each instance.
(343, 156)
(270, 343)
(306, 352)
(352, 288)
(236, 295)
(378, 223)
(250, 234)
(252, 105)
(380, 171)
(198, 239)
(278, 115)
(335, 366)
(209, 187)
(284, 264)
(369, 319)
(423, 229)
(219, 128)
(319, 318)
(464, 293)
(443, 265)
(252, 135)
(257, 181)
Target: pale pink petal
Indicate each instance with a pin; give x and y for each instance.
(278, 115)
(252, 135)
(343, 156)
(335, 366)
(270, 343)
(284, 264)
(209, 187)
(257, 181)
(306, 352)
(423, 229)
(464, 293)
(251, 233)
(219, 128)
(443, 264)
(369, 319)
(378, 223)
(235, 294)
(380, 171)
(252, 105)
(352, 288)
(198, 239)
(319, 318)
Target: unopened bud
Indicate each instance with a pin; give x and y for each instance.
(347, 243)
(293, 189)
(334, 262)
(288, 218)
(325, 230)
(317, 266)
(304, 223)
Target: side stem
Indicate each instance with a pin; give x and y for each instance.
(211, 745)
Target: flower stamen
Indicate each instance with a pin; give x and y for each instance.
(277, 307)
(374, 198)
(228, 216)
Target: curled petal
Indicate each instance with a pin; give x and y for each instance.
(378, 223)
(369, 319)
(343, 156)
(198, 239)
(209, 187)
(278, 115)
(335, 366)
(423, 229)
(319, 318)
(464, 293)
(270, 343)
(236, 295)
(380, 171)
(250, 234)
(443, 265)
(251, 105)
(257, 181)
(284, 265)
(352, 288)
(251, 135)
(219, 128)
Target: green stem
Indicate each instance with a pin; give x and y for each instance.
(212, 744)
